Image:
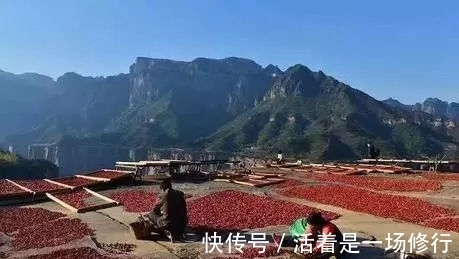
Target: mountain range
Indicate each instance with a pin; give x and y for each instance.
(231, 104)
(432, 106)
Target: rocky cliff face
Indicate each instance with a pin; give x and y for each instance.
(235, 82)
(440, 108)
(152, 78)
(432, 106)
(188, 100)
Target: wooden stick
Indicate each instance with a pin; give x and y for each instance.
(244, 183)
(62, 203)
(115, 178)
(124, 173)
(275, 179)
(349, 167)
(20, 186)
(268, 174)
(381, 170)
(320, 165)
(97, 207)
(100, 195)
(60, 184)
(303, 170)
(267, 182)
(100, 179)
(330, 166)
(388, 170)
(57, 191)
(114, 170)
(286, 169)
(259, 181)
(222, 180)
(131, 163)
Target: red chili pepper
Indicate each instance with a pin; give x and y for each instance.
(232, 210)
(39, 185)
(76, 181)
(382, 183)
(136, 201)
(9, 188)
(75, 199)
(52, 233)
(384, 205)
(448, 224)
(13, 219)
(288, 183)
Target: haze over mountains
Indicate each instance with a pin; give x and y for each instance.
(230, 104)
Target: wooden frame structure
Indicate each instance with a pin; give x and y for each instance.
(99, 179)
(21, 187)
(257, 182)
(102, 179)
(110, 203)
(33, 195)
(60, 184)
(41, 193)
(11, 195)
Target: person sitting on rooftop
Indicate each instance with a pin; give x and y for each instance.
(170, 212)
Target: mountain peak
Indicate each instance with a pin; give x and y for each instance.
(235, 65)
(69, 76)
(272, 70)
(143, 64)
(298, 68)
(434, 100)
(299, 80)
(432, 105)
(391, 100)
(239, 60)
(320, 75)
(300, 73)
(396, 104)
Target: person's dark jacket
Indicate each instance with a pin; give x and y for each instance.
(171, 207)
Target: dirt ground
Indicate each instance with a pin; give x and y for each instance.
(112, 225)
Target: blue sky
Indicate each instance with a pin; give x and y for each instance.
(404, 49)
